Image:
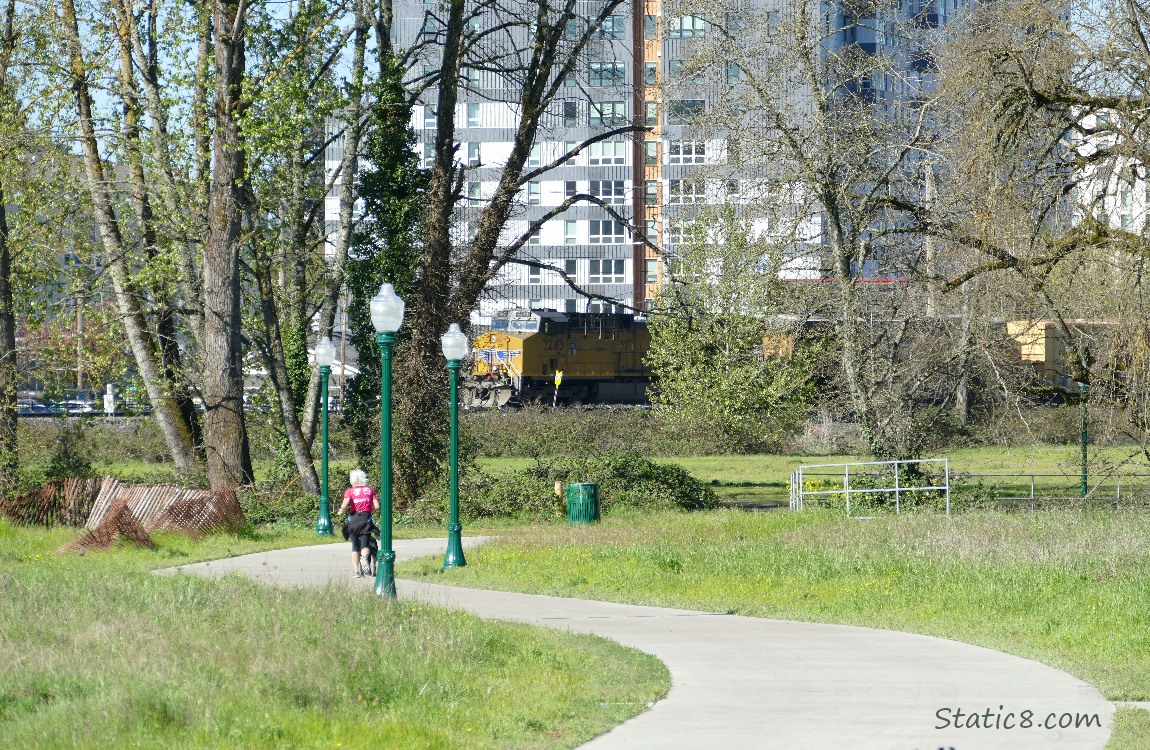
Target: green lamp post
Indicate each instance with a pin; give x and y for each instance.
(386, 317)
(324, 356)
(1084, 391)
(454, 349)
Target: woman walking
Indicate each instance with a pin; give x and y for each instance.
(362, 501)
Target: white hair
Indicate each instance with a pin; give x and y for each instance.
(357, 477)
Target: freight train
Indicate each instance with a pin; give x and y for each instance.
(553, 357)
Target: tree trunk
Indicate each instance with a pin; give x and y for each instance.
(349, 169)
(275, 360)
(8, 372)
(140, 338)
(9, 459)
(164, 315)
(225, 432)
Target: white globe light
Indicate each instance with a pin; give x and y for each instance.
(324, 353)
(387, 310)
(454, 343)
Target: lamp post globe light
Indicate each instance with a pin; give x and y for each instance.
(454, 349)
(386, 317)
(324, 356)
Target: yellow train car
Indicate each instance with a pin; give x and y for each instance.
(1043, 346)
(571, 358)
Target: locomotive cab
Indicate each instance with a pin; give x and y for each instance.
(599, 355)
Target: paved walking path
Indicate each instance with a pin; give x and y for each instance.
(766, 684)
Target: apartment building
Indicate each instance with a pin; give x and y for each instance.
(653, 179)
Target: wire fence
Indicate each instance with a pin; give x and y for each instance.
(866, 489)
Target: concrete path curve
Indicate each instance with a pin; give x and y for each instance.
(770, 684)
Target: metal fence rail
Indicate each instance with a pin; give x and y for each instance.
(799, 477)
(1034, 488)
(841, 481)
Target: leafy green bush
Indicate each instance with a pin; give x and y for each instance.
(625, 481)
(70, 457)
(264, 507)
(536, 430)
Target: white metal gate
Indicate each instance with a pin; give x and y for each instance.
(803, 474)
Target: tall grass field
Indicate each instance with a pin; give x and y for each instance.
(97, 652)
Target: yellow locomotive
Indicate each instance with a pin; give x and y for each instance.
(572, 358)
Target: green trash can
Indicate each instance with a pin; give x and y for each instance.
(582, 503)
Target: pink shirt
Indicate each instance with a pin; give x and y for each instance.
(361, 498)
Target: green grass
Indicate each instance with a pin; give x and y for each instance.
(765, 477)
(96, 652)
(1131, 730)
(1068, 588)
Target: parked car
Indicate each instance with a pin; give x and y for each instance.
(32, 408)
(76, 408)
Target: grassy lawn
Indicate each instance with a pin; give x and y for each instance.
(766, 477)
(1067, 588)
(97, 652)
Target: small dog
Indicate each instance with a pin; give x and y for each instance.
(368, 557)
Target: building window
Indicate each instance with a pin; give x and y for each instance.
(473, 155)
(608, 113)
(569, 267)
(687, 27)
(733, 72)
(607, 152)
(570, 114)
(651, 153)
(535, 304)
(609, 191)
(607, 232)
(678, 232)
(612, 28)
(607, 74)
(651, 192)
(606, 272)
(474, 192)
(650, 114)
(428, 155)
(652, 234)
(682, 111)
(570, 189)
(533, 238)
(652, 271)
(687, 192)
(650, 73)
(534, 193)
(430, 31)
(650, 28)
(534, 275)
(472, 115)
(732, 190)
(429, 116)
(687, 152)
(685, 73)
(533, 158)
(569, 305)
(570, 232)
